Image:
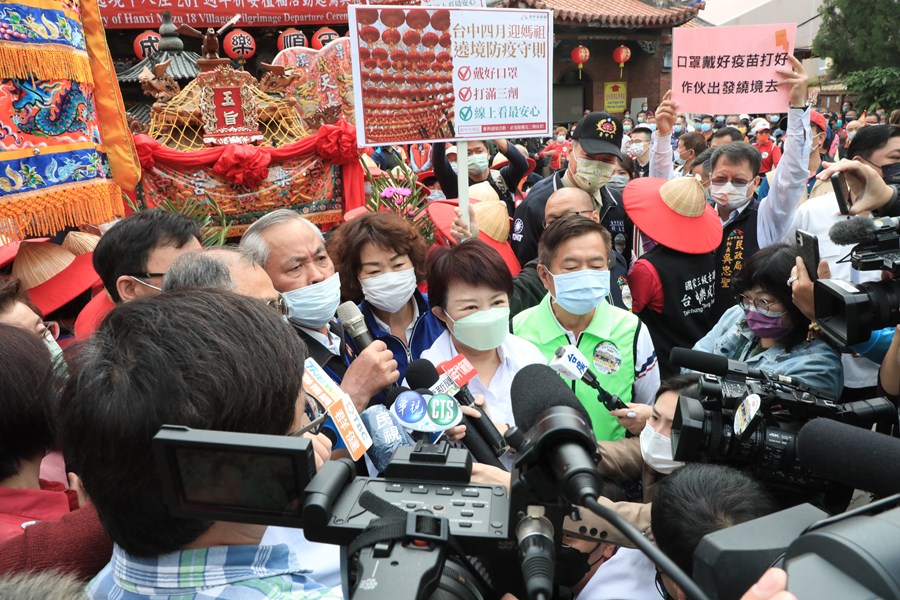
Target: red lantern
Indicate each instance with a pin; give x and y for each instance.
(146, 44)
(239, 45)
(292, 38)
(622, 55)
(580, 56)
(322, 36)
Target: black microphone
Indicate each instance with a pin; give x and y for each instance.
(561, 429)
(461, 371)
(355, 323)
(537, 553)
(422, 374)
(861, 230)
(858, 457)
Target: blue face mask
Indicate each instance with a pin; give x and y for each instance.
(705, 126)
(677, 128)
(580, 292)
(773, 118)
(626, 128)
(314, 306)
(839, 123)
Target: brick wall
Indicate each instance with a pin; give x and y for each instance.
(643, 73)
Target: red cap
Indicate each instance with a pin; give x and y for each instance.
(819, 119)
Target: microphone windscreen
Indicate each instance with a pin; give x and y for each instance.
(350, 316)
(702, 362)
(536, 388)
(420, 373)
(861, 458)
(849, 232)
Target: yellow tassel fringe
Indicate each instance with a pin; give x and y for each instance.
(45, 212)
(44, 62)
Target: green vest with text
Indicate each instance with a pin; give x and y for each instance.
(609, 345)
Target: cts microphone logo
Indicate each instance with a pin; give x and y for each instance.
(410, 407)
(443, 410)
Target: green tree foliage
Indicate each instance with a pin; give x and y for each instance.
(859, 34)
(878, 87)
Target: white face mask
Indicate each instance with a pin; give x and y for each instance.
(389, 291)
(637, 148)
(313, 306)
(455, 167)
(591, 175)
(730, 195)
(656, 450)
(561, 139)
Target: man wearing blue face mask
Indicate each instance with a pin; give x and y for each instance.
(573, 256)
(505, 181)
(592, 160)
(292, 252)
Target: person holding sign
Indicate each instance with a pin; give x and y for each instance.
(505, 181)
(748, 225)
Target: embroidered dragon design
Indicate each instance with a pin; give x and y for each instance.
(50, 108)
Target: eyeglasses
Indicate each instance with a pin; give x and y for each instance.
(50, 328)
(725, 180)
(548, 222)
(314, 412)
(760, 305)
(279, 305)
(144, 275)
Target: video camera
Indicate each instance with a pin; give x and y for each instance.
(751, 418)
(848, 312)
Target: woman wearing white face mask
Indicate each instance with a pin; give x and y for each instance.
(469, 287)
(381, 259)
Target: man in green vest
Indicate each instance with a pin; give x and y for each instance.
(573, 264)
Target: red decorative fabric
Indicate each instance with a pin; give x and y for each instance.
(333, 143)
(246, 166)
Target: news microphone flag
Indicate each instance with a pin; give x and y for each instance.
(339, 407)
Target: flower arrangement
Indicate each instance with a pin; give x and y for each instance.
(399, 191)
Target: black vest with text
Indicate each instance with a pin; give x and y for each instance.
(689, 285)
(739, 243)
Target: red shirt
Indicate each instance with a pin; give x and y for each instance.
(646, 288)
(92, 315)
(771, 154)
(17, 506)
(561, 151)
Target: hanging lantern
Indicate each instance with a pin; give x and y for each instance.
(292, 38)
(146, 44)
(622, 55)
(322, 36)
(239, 45)
(580, 56)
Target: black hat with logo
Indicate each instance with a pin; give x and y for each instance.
(599, 133)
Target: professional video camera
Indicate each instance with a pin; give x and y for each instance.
(752, 418)
(848, 312)
(851, 555)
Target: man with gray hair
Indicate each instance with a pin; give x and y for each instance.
(292, 252)
(223, 268)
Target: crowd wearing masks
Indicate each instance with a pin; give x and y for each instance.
(621, 238)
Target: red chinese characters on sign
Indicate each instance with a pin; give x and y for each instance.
(229, 110)
(143, 14)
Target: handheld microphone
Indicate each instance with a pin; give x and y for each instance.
(851, 455)
(386, 434)
(461, 371)
(562, 434)
(421, 374)
(354, 322)
(569, 362)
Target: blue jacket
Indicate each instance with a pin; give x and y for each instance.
(426, 329)
(814, 363)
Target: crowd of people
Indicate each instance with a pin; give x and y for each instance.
(643, 234)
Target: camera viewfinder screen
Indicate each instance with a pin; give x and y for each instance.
(259, 482)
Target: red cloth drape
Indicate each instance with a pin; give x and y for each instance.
(247, 165)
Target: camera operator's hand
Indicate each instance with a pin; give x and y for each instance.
(372, 371)
(868, 191)
(802, 286)
(321, 446)
(771, 586)
(634, 418)
(487, 475)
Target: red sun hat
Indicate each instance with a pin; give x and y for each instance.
(66, 285)
(674, 213)
(442, 215)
